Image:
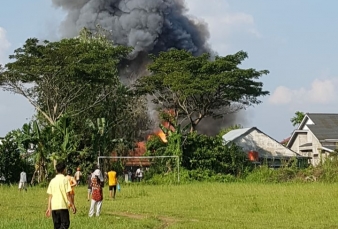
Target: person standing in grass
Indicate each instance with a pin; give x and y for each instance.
(23, 181)
(89, 186)
(59, 199)
(97, 197)
(112, 182)
(97, 172)
(78, 176)
(73, 183)
(139, 174)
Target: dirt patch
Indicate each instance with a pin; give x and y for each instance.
(166, 221)
(129, 215)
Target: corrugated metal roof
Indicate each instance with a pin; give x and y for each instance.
(232, 135)
(325, 120)
(323, 133)
(325, 125)
(250, 144)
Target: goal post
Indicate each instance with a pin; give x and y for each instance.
(143, 157)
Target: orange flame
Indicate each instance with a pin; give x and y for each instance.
(160, 134)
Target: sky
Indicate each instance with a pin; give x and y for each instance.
(294, 40)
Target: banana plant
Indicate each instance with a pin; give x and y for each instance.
(64, 141)
(34, 138)
(100, 135)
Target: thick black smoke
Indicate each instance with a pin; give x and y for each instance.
(149, 26)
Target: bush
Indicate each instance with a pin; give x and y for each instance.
(11, 161)
(201, 152)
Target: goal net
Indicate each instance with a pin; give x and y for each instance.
(129, 164)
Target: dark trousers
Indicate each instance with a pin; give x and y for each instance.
(61, 219)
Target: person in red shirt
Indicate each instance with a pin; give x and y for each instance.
(97, 197)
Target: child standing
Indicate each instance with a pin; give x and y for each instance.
(72, 183)
(97, 197)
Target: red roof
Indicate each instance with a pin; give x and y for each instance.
(285, 141)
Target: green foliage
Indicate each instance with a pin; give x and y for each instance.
(73, 82)
(298, 118)
(265, 174)
(210, 176)
(187, 176)
(204, 157)
(197, 87)
(326, 172)
(11, 157)
(58, 77)
(210, 153)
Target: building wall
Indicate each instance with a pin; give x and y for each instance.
(263, 144)
(300, 140)
(314, 152)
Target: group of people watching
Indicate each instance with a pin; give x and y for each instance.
(61, 193)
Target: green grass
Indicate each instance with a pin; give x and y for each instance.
(196, 205)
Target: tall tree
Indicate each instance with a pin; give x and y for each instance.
(58, 77)
(298, 118)
(195, 87)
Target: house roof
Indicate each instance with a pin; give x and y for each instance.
(323, 132)
(329, 148)
(234, 134)
(284, 141)
(324, 119)
(325, 126)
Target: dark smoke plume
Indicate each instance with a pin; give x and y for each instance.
(149, 26)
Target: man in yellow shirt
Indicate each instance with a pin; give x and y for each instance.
(112, 182)
(59, 199)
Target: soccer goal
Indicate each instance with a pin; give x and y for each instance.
(99, 158)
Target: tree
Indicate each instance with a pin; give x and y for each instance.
(298, 118)
(60, 77)
(203, 152)
(48, 143)
(11, 160)
(197, 87)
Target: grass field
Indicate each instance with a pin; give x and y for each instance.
(197, 205)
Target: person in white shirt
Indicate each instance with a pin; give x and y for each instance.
(97, 172)
(139, 174)
(23, 181)
(78, 176)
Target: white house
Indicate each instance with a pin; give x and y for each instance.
(267, 149)
(316, 136)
